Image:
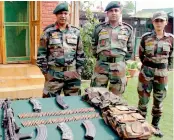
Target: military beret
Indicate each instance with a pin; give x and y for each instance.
(61, 7)
(160, 15)
(113, 4)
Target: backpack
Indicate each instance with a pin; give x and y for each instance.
(127, 122)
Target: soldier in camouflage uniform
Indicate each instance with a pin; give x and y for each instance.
(60, 55)
(156, 54)
(112, 46)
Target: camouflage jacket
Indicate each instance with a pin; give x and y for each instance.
(60, 48)
(111, 41)
(156, 50)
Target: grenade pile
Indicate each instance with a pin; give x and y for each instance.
(124, 119)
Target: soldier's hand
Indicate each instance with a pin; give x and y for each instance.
(48, 77)
(71, 75)
(45, 75)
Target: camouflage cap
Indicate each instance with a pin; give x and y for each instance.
(61, 7)
(160, 15)
(113, 4)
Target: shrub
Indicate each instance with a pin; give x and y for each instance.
(88, 68)
(128, 65)
(86, 35)
(134, 65)
(127, 72)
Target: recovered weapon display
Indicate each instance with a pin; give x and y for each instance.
(90, 129)
(59, 120)
(41, 132)
(66, 131)
(60, 102)
(8, 123)
(56, 113)
(36, 105)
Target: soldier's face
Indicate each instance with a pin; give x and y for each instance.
(114, 14)
(159, 24)
(63, 17)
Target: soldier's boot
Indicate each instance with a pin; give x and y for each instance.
(155, 123)
(143, 115)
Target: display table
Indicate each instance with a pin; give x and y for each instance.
(103, 132)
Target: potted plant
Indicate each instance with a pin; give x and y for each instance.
(133, 69)
(127, 75)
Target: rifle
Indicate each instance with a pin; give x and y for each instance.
(8, 123)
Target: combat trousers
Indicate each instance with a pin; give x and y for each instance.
(115, 73)
(57, 81)
(156, 79)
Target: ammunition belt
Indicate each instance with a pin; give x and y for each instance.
(56, 113)
(59, 120)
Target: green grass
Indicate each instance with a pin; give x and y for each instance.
(166, 123)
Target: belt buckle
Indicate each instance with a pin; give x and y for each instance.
(112, 59)
(64, 68)
(108, 59)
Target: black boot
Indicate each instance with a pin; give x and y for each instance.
(144, 116)
(155, 122)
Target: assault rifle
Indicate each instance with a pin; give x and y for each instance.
(8, 123)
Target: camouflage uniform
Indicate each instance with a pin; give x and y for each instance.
(111, 47)
(61, 56)
(156, 55)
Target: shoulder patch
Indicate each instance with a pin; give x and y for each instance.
(127, 25)
(99, 27)
(75, 27)
(145, 34)
(51, 25)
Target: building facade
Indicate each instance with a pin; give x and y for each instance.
(21, 23)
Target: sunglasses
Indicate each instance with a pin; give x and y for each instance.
(158, 20)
